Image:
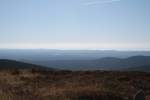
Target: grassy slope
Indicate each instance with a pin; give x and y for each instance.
(66, 85)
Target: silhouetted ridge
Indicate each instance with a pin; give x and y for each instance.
(12, 64)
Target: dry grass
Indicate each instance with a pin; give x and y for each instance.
(68, 85)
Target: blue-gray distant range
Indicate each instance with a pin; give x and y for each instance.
(81, 59)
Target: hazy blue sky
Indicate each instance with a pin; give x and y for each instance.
(75, 24)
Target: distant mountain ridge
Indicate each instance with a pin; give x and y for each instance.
(106, 63)
(12, 64)
(51, 54)
(121, 63)
(137, 63)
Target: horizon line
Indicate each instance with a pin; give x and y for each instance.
(75, 49)
(79, 46)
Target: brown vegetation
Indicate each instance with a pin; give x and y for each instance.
(67, 85)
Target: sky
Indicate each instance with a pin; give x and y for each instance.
(75, 24)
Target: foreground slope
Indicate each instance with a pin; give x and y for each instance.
(26, 84)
